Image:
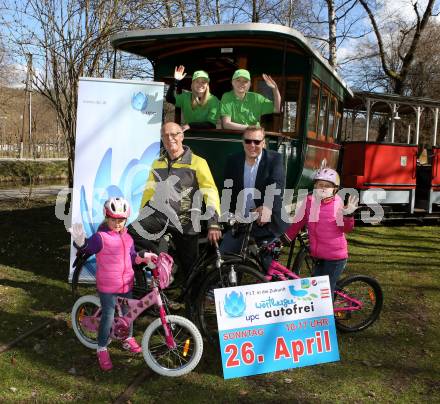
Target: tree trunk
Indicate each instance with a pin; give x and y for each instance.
(254, 11)
(217, 11)
(331, 33)
(198, 17)
(169, 14)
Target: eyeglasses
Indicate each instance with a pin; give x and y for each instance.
(254, 141)
(172, 135)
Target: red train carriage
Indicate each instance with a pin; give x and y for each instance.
(390, 144)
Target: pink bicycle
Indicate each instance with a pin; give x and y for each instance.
(171, 345)
(358, 299)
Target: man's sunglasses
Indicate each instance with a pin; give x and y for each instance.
(254, 141)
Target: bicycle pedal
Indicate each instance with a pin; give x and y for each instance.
(173, 305)
(343, 315)
(176, 306)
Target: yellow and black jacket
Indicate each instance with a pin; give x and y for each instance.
(180, 180)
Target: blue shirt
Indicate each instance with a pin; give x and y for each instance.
(249, 177)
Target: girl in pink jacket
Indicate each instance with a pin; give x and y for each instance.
(115, 256)
(327, 220)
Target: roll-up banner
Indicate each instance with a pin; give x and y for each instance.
(117, 139)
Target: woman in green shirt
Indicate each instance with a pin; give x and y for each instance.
(199, 107)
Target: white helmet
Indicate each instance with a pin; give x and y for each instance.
(327, 174)
(117, 208)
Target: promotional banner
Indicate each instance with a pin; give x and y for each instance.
(275, 326)
(117, 139)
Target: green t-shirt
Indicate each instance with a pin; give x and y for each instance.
(247, 111)
(206, 113)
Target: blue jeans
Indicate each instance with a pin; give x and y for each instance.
(108, 303)
(331, 268)
(231, 244)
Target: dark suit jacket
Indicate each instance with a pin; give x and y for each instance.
(270, 171)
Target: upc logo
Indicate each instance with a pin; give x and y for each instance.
(139, 102)
(234, 304)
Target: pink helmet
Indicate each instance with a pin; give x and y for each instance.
(117, 208)
(327, 174)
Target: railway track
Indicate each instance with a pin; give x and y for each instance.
(395, 217)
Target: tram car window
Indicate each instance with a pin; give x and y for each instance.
(313, 110)
(338, 120)
(323, 115)
(331, 119)
(291, 97)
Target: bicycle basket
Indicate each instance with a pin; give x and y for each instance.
(164, 266)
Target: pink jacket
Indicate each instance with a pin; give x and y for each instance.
(115, 255)
(326, 227)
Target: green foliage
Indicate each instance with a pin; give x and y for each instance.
(31, 171)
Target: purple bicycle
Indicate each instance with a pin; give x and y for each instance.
(171, 345)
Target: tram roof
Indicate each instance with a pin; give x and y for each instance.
(406, 103)
(154, 43)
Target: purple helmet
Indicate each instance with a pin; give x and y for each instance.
(327, 174)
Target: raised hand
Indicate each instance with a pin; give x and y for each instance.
(351, 206)
(185, 127)
(179, 72)
(78, 235)
(270, 82)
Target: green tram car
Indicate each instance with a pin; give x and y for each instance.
(307, 130)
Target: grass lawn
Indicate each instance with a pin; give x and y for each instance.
(396, 360)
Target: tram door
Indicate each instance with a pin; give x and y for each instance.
(428, 179)
(434, 192)
(423, 179)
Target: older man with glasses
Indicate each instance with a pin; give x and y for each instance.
(170, 200)
(258, 181)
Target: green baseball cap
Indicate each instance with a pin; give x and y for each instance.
(241, 73)
(200, 74)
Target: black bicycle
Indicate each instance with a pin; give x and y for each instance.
(230, 270)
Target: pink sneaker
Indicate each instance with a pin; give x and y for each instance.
(131, 345)
(104, 360)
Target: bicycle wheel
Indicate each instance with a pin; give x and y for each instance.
(205, 313)
(85, 306)
(303, 263)
(172, 362)
(362, 289)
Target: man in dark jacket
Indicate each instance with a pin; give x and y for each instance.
(258, 180)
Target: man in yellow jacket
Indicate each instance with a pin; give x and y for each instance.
(177, 182)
